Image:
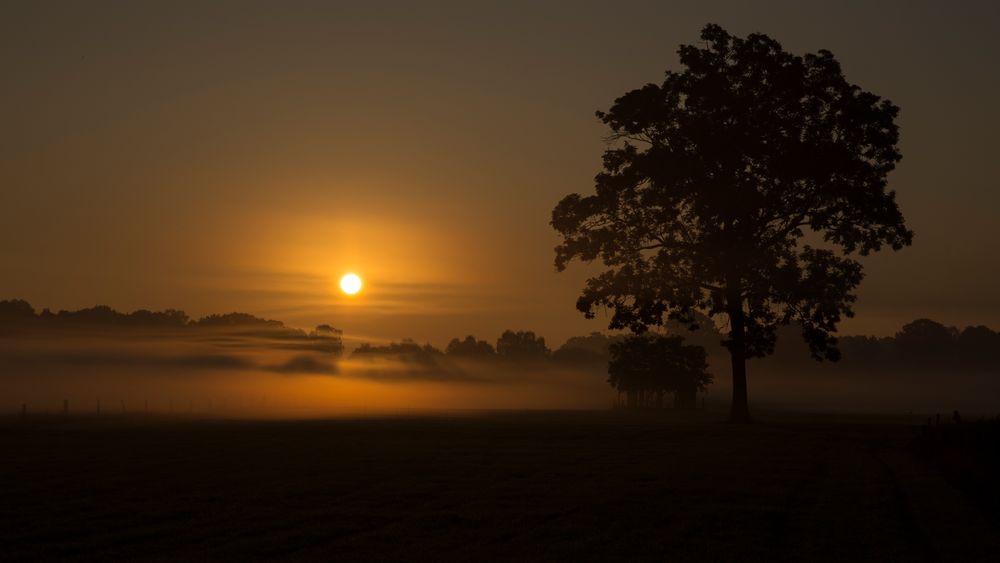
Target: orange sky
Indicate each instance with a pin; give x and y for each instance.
(242, 155)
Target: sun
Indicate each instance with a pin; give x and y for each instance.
(350, 284)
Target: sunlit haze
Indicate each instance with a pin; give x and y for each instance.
(240, 156)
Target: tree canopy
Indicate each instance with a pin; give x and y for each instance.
(743, 185)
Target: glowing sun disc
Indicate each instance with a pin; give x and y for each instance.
(350, 284)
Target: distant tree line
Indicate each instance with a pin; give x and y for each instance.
(512, 345)
(408, 350)
(522, 346)
(593, 349)
(19, 314)
(921, 345)
(18, 310)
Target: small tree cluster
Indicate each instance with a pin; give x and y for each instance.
(646, 367)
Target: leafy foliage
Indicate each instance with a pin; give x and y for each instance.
(742, 185)
(742, 152)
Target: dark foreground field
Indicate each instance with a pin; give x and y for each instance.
(525, 486)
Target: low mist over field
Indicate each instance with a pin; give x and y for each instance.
(245, 366)
(241, 365)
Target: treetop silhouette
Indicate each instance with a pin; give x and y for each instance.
(521, 345)
(408, 350)
(470, 347)
(711, 183)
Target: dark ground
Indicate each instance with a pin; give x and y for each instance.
(515, 486)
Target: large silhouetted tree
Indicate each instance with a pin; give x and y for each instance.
(741, 186)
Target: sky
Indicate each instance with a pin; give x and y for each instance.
(242, 156)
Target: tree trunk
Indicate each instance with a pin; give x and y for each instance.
(740, 410)
(685, 399)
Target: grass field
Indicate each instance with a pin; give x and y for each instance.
(493, 486)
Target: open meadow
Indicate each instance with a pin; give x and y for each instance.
(538, 486)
